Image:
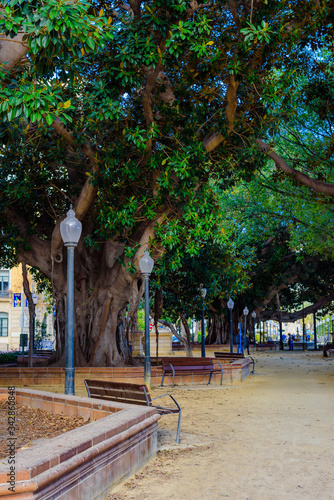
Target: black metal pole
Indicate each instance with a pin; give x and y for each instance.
(304, 346)
(203, 334)
(69, 369)
(245, 329)
(315, 331)
(281, 345)
(254, 334)
(231, 332)
(33, 331)
(147, 366)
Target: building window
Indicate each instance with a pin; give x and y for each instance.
(4, 283)
(3, 324)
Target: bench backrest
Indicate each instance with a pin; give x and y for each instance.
(121, 392)
(186, 364)
(228, 355)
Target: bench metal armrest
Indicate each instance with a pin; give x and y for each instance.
(163, 375)
(179, 421)
(158, 397)
(253, 364)
(88, 391)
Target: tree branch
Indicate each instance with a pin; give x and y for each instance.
(287, 317)
(12, 50)
(39, 251)
(318, 186)
(86, 196)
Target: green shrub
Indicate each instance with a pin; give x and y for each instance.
(8, 357)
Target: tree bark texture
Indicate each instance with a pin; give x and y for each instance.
(31, 308)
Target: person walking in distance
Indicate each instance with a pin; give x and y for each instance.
(238, 340)
(290, 342)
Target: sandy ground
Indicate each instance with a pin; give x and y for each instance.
(270, 437)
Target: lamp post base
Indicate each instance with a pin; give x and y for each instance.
(69, 381)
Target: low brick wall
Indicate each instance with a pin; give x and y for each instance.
(233, 373)
(84, 463)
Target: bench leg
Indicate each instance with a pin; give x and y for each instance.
(250, 357)
(221, 374)
(172, 367)
(163, 376)
(178, 428)
(210, 378)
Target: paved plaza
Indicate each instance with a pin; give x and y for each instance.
(269, 438)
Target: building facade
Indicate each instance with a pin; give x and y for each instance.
(14, 313)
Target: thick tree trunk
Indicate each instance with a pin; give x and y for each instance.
(31, 307)
(219, 331)
(186, 337)
(102, 291)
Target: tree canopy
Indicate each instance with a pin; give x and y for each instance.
(132, 112)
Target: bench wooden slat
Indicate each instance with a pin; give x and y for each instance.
(116, 385)
(228, 355)
(187, 361)
(114, 399)
(188, 368)
(118, 394)
(178, 365)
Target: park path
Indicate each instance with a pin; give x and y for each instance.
(270, 437)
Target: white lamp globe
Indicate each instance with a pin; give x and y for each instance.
(146, 263)
(230, 304)
(70, 229)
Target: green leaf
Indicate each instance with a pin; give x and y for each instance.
(49, 119)
(90, 43)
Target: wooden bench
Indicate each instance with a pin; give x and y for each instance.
(233, 357)
(134, 394)
(266, 345)
(181, 366)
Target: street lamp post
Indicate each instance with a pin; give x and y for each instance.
(35, 300)
(315, 331)
(328, 329)
(254, 317)
(304, 343)
(323, 331)
(70, 230)
(245, 311)
(32, 333)
(146, 264)
(281, 343)
(230, 305)
(203, 292)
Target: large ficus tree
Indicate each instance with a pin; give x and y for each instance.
(126, 110)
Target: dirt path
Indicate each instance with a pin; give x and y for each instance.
(269, 438)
